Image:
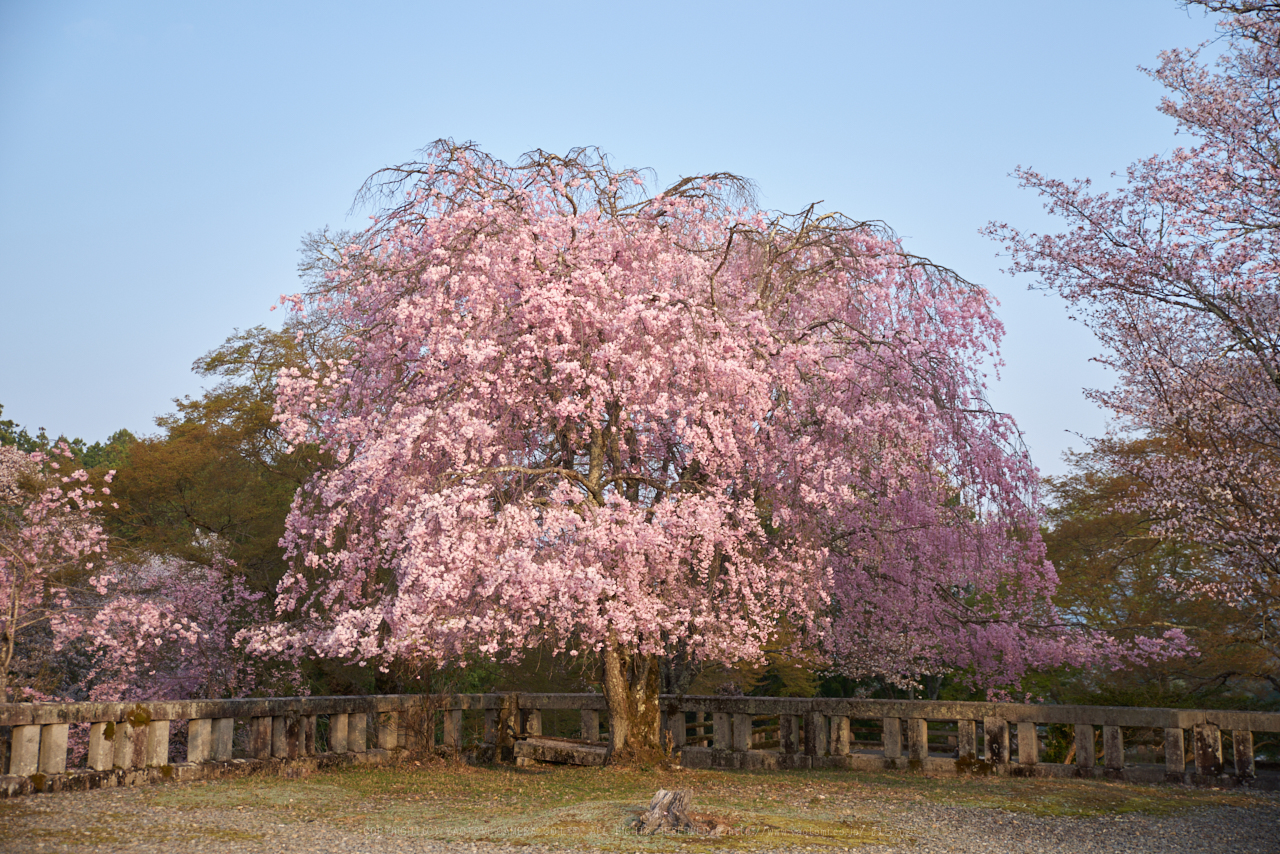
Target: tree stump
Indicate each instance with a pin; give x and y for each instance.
(667, 811)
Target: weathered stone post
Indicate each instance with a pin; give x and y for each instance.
(53, 749)
(491, 720)
(308, 741)
(388, 729)
(917, 741)
(129, 746)
(453, 729)
(967, 741)
(1175, 754)
(199, 740)
(816, 730)
(789, 734)
(157, 743)
(285, 736)
(24, 758)
(338, 733)
(1242, 748)
(995, 736)
(1112, 749)
(721, 737)
(260, 737)
(892, 737)
(1208, 741)
(1028, 744)
(279, 737)
(1086, 749)
(532, 721)
(591, 724)
(357, 733)
(223, 730)
(741, 732)
(839, 735)
(676, 726)
(100, 747)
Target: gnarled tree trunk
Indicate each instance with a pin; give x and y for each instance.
(631, 691)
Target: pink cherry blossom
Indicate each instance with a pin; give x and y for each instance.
(645, 427)
(1176, 274)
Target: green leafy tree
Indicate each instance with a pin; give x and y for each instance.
(1119, 577)
(17, 436)
(218, 473)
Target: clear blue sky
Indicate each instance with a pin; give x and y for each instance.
(159, 162)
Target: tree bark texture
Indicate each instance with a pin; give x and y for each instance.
(631, 692)
(667, 811)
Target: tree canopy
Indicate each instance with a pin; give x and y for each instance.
(1176, 273)
(653, 425)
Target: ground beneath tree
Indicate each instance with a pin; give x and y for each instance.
(442, 807)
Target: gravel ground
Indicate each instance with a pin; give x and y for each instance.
(125, 820)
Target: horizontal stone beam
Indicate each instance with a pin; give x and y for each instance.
(139, 714)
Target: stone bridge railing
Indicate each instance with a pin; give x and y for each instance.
(64, 746)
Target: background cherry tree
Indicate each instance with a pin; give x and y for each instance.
(639, 427)
(1177, 274)
(51, 548)
(170, 629)
(85, 625)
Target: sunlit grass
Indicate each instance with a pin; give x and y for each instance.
(578, 807)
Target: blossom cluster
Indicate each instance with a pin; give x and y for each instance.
(580, 416)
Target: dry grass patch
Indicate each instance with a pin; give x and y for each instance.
(594, 807)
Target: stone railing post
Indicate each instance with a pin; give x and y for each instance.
(532, 721)
(677, 727)
(199, 740)
(789, 733)
(1028, 744)
(53, 749)
(308, 743)
(721, 737)
(1175, 754)
(1242, 748)
(1208, 740)
(741, 732)
(1086, 749)
(591, 724)
(967, 740)
(157, 743)
(917, 740)
(285, 735)
(816, 732)
(338, 733)
(1112, 748)
(223, 730)
(24, 756)
(388, 729)
(892, 738)
(357, 732)
(840, 735)
(129, 747)
(453, 729)
(260, 738)
(100, 747)
(995, 735)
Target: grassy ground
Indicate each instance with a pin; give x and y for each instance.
(579, 807)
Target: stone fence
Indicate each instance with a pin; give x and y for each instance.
(113, 744)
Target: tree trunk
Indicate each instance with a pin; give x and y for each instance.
(677, 671)
(631, 692)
